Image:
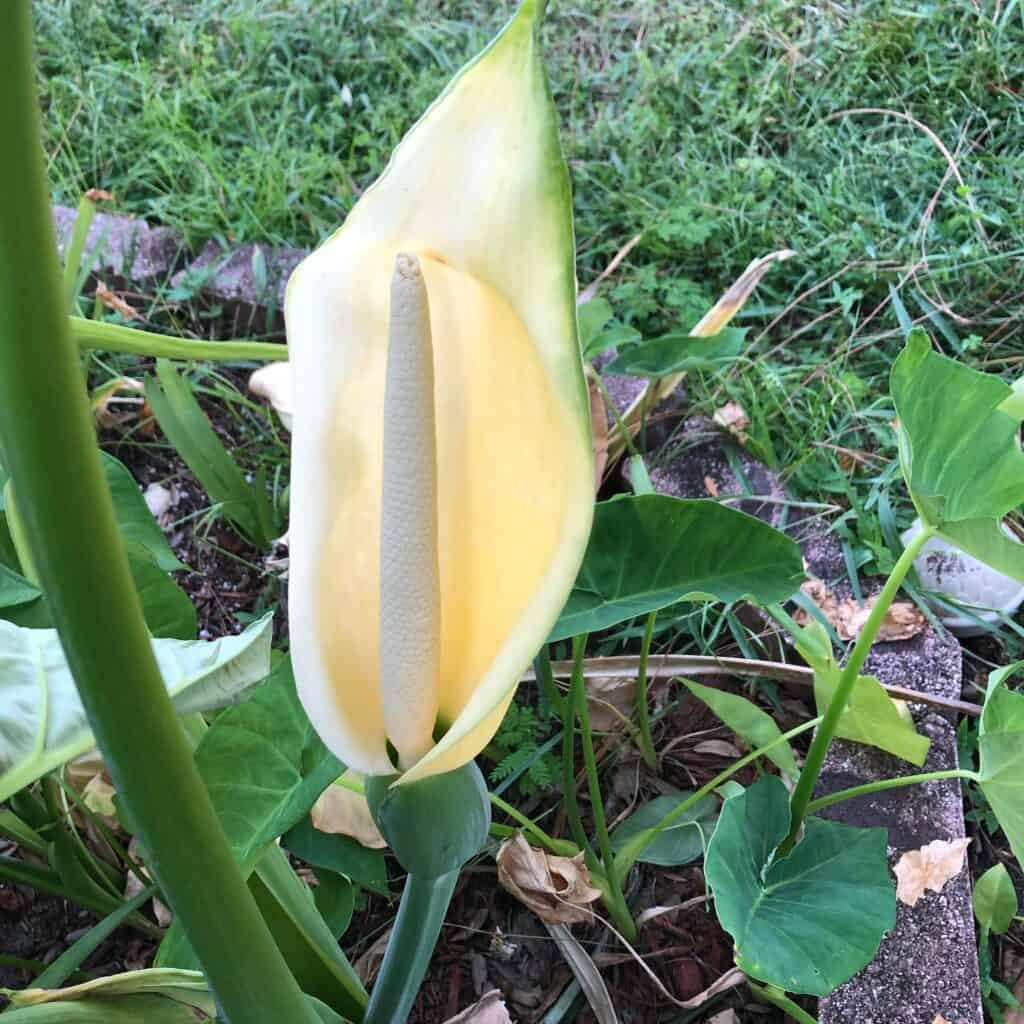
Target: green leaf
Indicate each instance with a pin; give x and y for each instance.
(995, 900)
(1001, 749)
(808, 922)
(15, 589)
(134, 519)
(43, 724)
(433, 825)
(264, 766)
(870, 716)
(676, 352)
(168, 610)
(959, 451)
(335, 898)
(682, 842)
(649, 551)
(755, 727)
(245, 506)
(125, 1010)
(342, 854)
(592, 317)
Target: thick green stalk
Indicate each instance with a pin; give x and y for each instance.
(49, 445)
(546, 681)
(645, 741)
(89, 334)
(847, 680)
(883, 784)
(413, 937)
(616, 900)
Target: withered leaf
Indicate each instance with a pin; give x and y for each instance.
(490, 1008)
(341, 811)
(930, 867)
(556, 889)
(902, 621)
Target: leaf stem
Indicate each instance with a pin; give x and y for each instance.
(775, 996)
(90, 334)
(633, 850)
(644, 739)
(414, 935)
(50, 451)
(559, 847)
(883, 784)
(546, 680)
(616, 900)
(847, 680)
(572, 809)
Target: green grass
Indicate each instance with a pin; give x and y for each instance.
(715, 131)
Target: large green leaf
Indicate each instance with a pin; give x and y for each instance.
(42, 722)
(339, 853)
(681, 842)
(811, 920)
(870, 716)
(1001, 747)
(134, 519)
(15, 589)
(168, 610)
(264, 766)
(651, 550)
(676, 352)
(959, 451)
(754, 726)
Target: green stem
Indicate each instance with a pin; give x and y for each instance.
(559, 847)
(616, 900)
(884, 784)
(50, 450)
(546, 681)
(572, 808)
(76, 249)
(88, 334)
(633, 850)
(775, 996)
(644, 740)
(413, 937)
(847, 680)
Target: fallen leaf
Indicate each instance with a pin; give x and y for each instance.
(711, 486)
(98, 195)
(586, 972)
(133, 885)
(598, 430)
(1016, 1016)
(931, 867)
(490, 1008)
(610, 701)
(718, 748)
(902, 621)
(556, 889)
(733, 418)
(342, 811)
(87, 776)
(103, 399)
(274, 383)
(116, 302)
(368, 965)
(725, 1017)
(159, 500)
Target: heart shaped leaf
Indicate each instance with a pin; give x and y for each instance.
(959, 451)
(681, 842)
(649, 551)
(811, 920)
(676, 352)
(1001, 747)
(43, 724)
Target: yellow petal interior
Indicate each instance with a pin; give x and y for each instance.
(508, 455)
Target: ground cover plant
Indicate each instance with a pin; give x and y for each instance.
(443, 535)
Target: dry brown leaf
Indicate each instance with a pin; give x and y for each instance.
(719, 748)
(490, 1008)
(368, 965)
(116, 302)
(342, 811)
(931, 867)
(610, 702)
(556, 889)
(598, 430)
(902, 621)
(87, 775)
(733, 418)
(99, 195)
(1016, 1016)
(711, 486)
(133, 885)
(725, 1017)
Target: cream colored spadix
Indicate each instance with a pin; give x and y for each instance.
(478, 193)
(410, 586)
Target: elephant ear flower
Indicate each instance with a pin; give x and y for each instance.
(442, 474)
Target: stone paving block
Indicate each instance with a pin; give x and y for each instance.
(248, 283)
(122, 250)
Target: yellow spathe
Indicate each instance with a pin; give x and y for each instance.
(478, 193)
